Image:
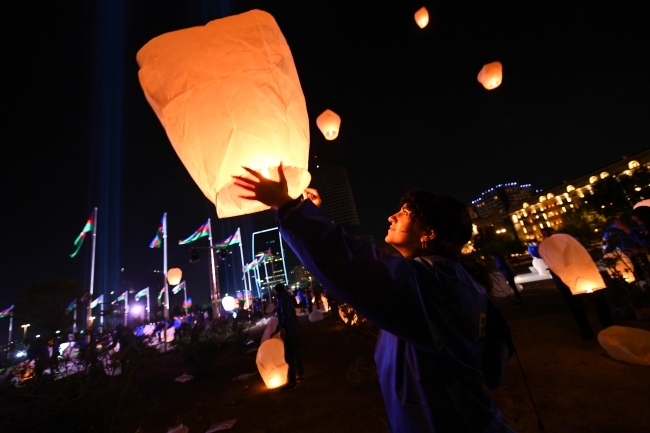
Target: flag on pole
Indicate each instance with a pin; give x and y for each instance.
(71, 307)
(179, 287)
(158, 239)
(162, 292)
(188, 303)
(80, 239)
(201, 232)
(141, 293)
(5, 313)
(120, 298)
(96, 302)
(255, 263)
(233, 239)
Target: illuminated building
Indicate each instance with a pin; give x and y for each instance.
(500, 198)
(338, 203)
(546, 208)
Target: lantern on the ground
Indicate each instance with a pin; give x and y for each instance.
(622, 265)
(270, 363)
(329, 123)
(572, 263)
(228, 303)
(228, 96)
(491, 75)
(422, 17)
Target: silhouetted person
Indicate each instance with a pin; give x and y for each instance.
(288, 325)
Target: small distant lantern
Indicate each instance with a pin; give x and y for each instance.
(491, 75)
(174, 276)
(633, 164)
(593, 179)
(604, 174)
(549, 195)
(622, 266)
(329, 123)
(228, 95)
(271, 364)
(422, 17)
(524, 205)
(228, 303)
(570, 261)
(542, 198)
(570, 188)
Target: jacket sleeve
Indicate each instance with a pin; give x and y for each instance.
(383, 288)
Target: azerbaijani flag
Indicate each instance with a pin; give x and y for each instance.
(5, 313)
(96, 302)
(188, 303)
(71, 307)
(120, 298)
(233, 239)
(255, 263)
(201, 232)
(141, 293)
(179, 287)
(162, 292)
(158, 240)
(80, 239)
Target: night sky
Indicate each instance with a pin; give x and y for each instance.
(574, 98)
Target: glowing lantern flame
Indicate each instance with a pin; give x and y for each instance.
(228, 95)
(572, 263)
(491, 75)
(228, 303)
(422, 17)
(329, 123)
(271, 364)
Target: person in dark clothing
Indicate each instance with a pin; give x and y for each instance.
(128, 349)
(308, 302)
(506, 270)
(575, 301)
(429, 301)
(290, 328)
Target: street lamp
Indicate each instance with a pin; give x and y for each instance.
(25, 330)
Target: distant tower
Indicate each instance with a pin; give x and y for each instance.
(338, 203)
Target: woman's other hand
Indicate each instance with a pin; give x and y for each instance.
(313, 195)
(266, 191)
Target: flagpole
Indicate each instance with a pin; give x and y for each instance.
(126, 307)
(166, 310)
(266, 277)
(11, 322)
(257, 280)
(101, 316)
(216, 311)
(92, 270)
(185, 293)
(148, 306)
(241, 253)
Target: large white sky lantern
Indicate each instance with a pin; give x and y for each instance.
(570, 261)
(491, 75)
(329, 123)
(270, 363)
(228, 96)
(422, 17)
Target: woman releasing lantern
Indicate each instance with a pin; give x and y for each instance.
(429, 353)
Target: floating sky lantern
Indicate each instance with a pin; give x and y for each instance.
(491, 75)
(572, 263)
(622, 266)
(642, 203)
(228, 303)
(422, 17)
(271, 364)
(329, 123)
(228, 96)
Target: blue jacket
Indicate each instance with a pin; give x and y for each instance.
(286, 310)
(429, 309)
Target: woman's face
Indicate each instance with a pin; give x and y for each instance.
(403, 234)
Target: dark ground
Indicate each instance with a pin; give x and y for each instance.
(576, 385)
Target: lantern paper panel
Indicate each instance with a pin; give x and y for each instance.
(491, 75)
(622, 266)
(271, 364)
(329, 123)
(228, 95)
(642, 203)
(570, 261)
(422, 17)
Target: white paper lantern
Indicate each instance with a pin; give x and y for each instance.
(572, 263)
(228, 96)
(316, 315)
(329, 123)
(491, 75)
(228, 303)
(271, 364)
(422, 17)
(642, 203)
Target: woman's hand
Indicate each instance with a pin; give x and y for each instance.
(313, 195)
(266, 191)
